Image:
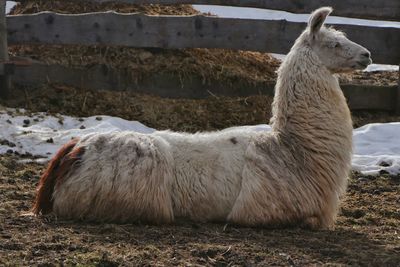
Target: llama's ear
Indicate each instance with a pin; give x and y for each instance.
(317, 19)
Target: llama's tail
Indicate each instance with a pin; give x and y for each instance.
(58, 167)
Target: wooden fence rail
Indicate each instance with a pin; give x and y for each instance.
(138, 30)
(365, 9)
(100, 77)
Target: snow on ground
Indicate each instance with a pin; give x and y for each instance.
(41, 135)
(377, 146)
(9, 6)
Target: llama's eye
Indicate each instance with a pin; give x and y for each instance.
(337, 45)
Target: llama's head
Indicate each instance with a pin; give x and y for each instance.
(333, 49)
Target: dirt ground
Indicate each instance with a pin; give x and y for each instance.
(366, 234)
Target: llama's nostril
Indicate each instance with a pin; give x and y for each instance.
(366, 54)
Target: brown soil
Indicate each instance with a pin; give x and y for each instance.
(366, 234)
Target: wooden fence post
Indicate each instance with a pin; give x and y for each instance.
(5, 82)
(397, 111)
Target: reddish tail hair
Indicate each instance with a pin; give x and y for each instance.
(58, 167)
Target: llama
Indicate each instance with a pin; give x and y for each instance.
(294, 174)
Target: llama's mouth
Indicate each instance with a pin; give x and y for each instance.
(364, 63)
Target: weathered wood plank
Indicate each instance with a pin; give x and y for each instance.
(366, 9)
(100, 77)
(3, 33)
(370, 97)
(138, 30)
(397, 110)
(5, 82)
(168, 85)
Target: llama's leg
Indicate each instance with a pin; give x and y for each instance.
(314, 223)
(318, 222)
(267, 199)
(256, 203)
(325, 218)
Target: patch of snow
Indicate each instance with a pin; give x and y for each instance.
(376, 146)
(381, 67)
(42, 135)
(9, 6)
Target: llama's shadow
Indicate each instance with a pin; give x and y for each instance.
(247, 246)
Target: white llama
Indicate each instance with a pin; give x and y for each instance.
(294, 174)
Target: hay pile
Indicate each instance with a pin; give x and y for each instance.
(189, 115)
(210, 64)
(382, 78)
(83, 6)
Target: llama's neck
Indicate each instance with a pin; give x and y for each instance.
(309, 103)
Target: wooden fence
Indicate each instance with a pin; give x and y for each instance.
(138, 30)
(275, 36)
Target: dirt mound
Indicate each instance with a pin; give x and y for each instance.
(189, 115)
(382, 78)
(160, 113)
(210, 64)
